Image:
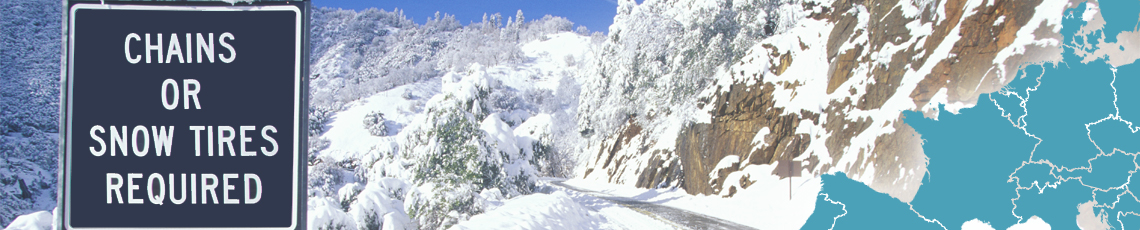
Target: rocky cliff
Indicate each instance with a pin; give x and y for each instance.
(822, 83)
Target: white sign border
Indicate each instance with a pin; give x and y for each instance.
(296, 99)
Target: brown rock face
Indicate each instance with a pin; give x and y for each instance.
(659, 172)
(739, 114)
(972, 72)
(608, 152)
(901, 144)
(841, 70)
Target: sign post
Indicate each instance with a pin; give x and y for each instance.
(187, 115)
(789, 168)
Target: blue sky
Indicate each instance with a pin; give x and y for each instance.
(597, 15)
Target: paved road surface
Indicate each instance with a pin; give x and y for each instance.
(679, 217)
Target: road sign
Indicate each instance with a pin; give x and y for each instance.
(789, 168)
(188, 116)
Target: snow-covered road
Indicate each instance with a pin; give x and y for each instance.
(674, 217)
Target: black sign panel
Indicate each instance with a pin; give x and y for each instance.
(184, 117)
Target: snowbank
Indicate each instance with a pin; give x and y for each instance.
(538, 211)
(34, 221)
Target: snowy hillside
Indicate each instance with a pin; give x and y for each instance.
(450, 132)
(29, 106)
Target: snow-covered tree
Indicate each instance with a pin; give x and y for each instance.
(374, 122)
